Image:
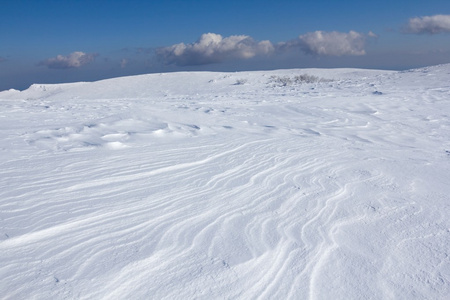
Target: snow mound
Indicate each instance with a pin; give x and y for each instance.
(112, 133)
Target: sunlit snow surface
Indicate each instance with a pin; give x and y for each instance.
(228, 186)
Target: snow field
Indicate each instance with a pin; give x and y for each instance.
(228, 186)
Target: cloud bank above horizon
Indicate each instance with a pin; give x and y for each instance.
(213, 48)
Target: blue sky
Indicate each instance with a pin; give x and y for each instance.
(63, 41)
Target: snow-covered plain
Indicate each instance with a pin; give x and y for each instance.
(228, 186)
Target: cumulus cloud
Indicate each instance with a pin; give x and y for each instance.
(213, 48)
(428, 24)
(73, 60)
(333, 43)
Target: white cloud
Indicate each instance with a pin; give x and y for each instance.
(429, 24)
(333, 43)
(213, 48)
(73, 60)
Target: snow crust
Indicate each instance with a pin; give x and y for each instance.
(228, 186)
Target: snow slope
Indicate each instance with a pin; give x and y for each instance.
(228, 186)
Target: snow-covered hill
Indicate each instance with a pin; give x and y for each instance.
(228, 186)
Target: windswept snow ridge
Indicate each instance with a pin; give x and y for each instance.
(228, 186)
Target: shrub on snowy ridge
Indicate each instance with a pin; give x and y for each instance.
(241, 81)
(296, 80)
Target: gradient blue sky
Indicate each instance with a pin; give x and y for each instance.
(62, 41)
